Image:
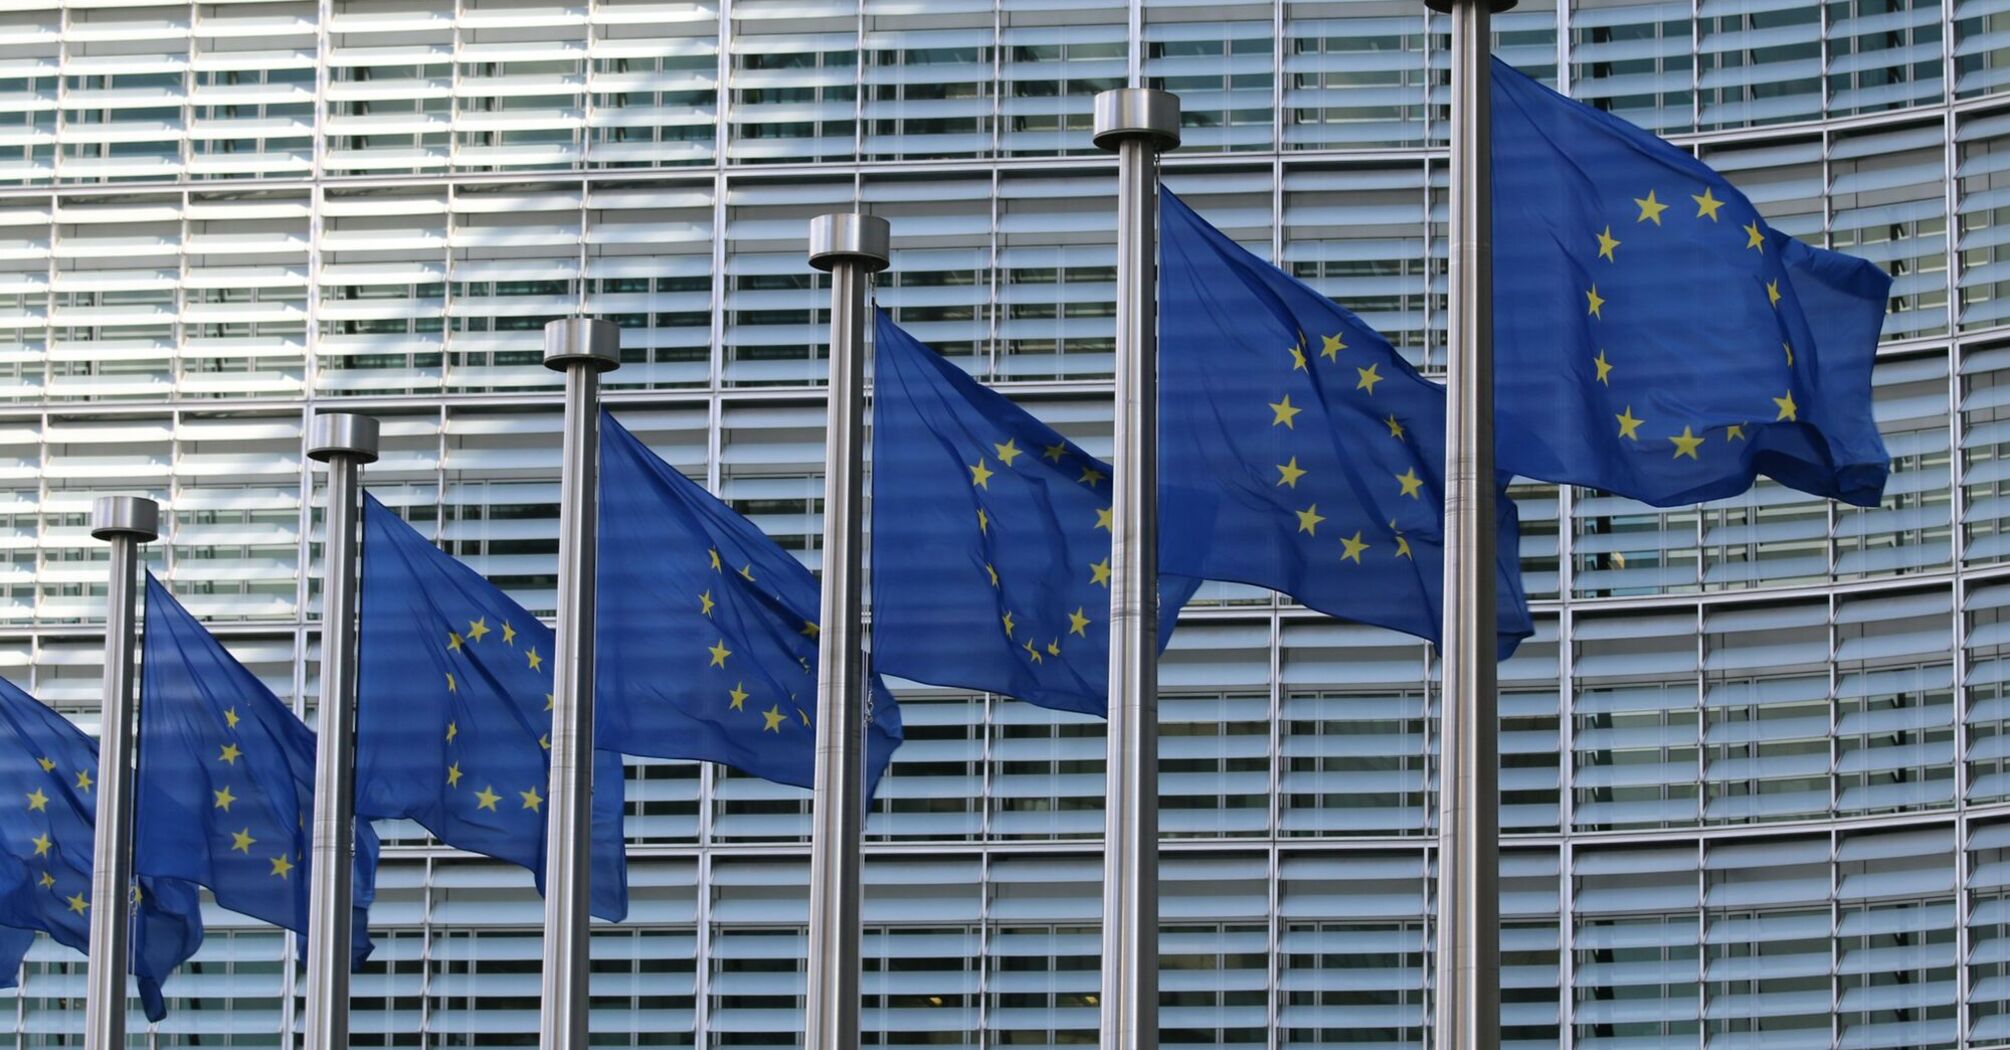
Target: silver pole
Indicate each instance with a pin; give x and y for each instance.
(345, 442)
(125, 522)
(582, 349)
(1467, 1004)
(1137, 123)
(851, 247)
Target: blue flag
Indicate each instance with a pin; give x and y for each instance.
(994, 538)
(706, 630)
(1298, 451)
(453, 712)
(48, 796)
(224, 795)
(1653, 337)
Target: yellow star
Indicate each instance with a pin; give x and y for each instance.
(451, 687)
(280, 866)
(42, 844)
(804, 715)
(719, 653)
(983, 521)
(1734, 432)
(994, 573)
(509, 634)
(980, 475)
(1103, 519)
(1686, 444)
(1353, 546)
(453, 730)
(1091, 477)
(1755, 238)
(1606, 243)
(477, 628)
(1099, 572)
(1650, 209)
(549, 700)
(1788, 410)
(1007, 620)
(1054, 452)
(747, 572)
(453, 641)
(1078, 623)
(1008, 451)
(240, 841)
(46, 880)
(1628, 426)
(1413, 485)
(1788, 347)
(48, 764)
(1297, 359)
(223, 798)
(536, 662)
(1291, 473)
(1282, 413)
(1034, 654)
(486, 798)
(1309, 519)
(544, 741)
(1403, 547)
(705, 603)
(714, 553)
(1054, 647)
(773, 719)
(38, 802)
(83, 780)
(737, 696)
(78, 903)
(1595, 302)
(230, 717)
(229, 754)
(1773, 293)
(454, 775)
(1333, 344)
(810, 630)
(1604, 368)
(532, 800)
(1395, 427)
(1707, 204)
(1369, 377)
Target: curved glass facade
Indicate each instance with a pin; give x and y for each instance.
(1757, 768)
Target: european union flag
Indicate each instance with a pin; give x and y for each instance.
(225, 788)
(48, 782)
(453, 712)
(995, 532)
(1298, 451)
(706, 630)
(1653, 337)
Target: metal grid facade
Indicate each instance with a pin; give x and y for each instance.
(1757, 780)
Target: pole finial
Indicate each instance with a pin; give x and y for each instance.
(1147, 113)
(588, 340)
(849, 237)
(1444, 7)
(135, 516)
(334, 434)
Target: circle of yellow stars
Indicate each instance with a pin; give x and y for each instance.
(1060, 454)
(720, 655)
(477, 632)
(1285, 414)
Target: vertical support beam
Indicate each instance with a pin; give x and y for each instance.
(345, 442)
(851, 247)
(1137, 124)
(125, 522)
(581, 348)
(1467, 1005)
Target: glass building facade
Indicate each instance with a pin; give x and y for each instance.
(1757, 756)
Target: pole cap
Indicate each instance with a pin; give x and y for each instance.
(332, 434)
(1444, 7)
(1146, 113)
(848, 237)
(582, 340)
(135, 516)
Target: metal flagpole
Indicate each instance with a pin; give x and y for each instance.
(581, 348)
(125, 522)
(1467, 1003)
(345, 442)
(1136, 123)
(851, 246)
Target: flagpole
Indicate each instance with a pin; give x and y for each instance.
(125, 522)
(345, 442)
(1137, 124)
(851, 247)
(582, 348)
(1466, 1008)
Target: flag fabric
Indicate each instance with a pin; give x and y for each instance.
(14, 943)
(224, 795)
(48, 797)
(1653, 337)
(706, 630)
(993, 535)
(453, 712)
(1297, 450)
